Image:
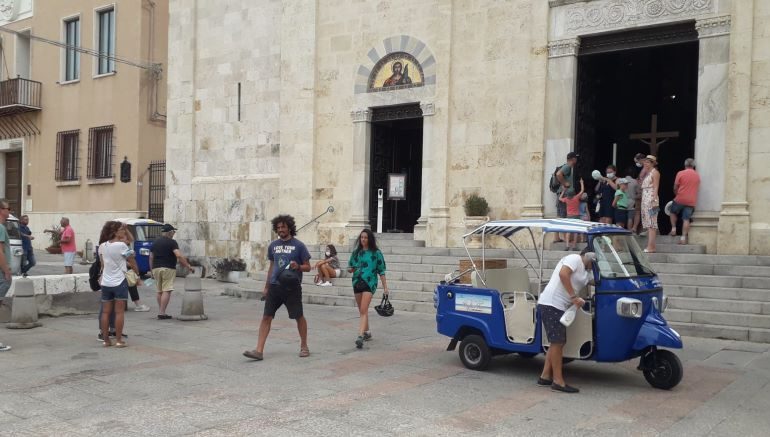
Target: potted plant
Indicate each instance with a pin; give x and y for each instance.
(55, 236)
(476, 214)
(229, 269)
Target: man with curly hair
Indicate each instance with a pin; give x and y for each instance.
(288, 258)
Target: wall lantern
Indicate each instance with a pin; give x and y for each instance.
(125, 170)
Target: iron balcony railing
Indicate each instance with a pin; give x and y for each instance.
(19, 95)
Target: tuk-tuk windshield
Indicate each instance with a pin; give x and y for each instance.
(13, 229)
(146, 232)
(618, 256)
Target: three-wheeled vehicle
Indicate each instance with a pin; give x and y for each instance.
(621, 320)
(144, 231)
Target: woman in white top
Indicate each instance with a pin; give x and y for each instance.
(113, 254)
(570, 276)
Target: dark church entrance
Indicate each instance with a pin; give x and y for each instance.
(396, 149)
(637, 91)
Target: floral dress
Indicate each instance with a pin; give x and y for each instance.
(650, 203)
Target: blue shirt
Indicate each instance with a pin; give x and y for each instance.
(282, 253)
(26, 243)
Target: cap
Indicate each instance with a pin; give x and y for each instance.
(572, 155)
(167, 228)
(651, 158)
(639, 156)
(622, 181)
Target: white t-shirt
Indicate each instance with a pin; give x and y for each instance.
(555, 294)
(113, 263)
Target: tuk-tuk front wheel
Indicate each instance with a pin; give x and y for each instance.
(474, 352)
(666, 372)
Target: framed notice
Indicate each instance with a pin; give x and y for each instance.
(396, 186)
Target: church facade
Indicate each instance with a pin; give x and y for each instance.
(297, 106)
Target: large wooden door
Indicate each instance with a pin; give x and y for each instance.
(13, 181)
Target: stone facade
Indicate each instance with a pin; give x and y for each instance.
(498, 105)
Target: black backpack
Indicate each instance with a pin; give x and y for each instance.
(554, 183)
(94, 272)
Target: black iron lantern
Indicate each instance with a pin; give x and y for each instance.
(125, 170)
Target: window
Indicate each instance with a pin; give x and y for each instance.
(67, 155)
(100, 151)
(105, 40)
(71, 55)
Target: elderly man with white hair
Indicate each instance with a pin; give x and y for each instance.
(686, 187)
(570, 276)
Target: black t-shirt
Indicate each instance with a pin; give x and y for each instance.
(163, 252)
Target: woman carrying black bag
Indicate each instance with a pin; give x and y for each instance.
(366, 264)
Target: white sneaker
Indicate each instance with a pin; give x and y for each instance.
(142, 308)
(327, 284)
(4, 347)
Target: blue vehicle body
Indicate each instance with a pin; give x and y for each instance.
(144, 231)
(616, 337)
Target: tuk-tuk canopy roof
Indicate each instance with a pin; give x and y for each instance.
(506, 228)
(138, 221)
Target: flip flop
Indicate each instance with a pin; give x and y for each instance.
(120, 344)
(254, 355)
(106, 343)
(304, 352)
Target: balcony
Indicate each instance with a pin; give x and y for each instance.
(18, 96)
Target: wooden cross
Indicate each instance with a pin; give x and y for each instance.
(653, 136)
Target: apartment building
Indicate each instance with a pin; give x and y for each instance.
(82, 111)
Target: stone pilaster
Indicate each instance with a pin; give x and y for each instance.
(428, 171)
(560, 101)
(734, 222)
(297, 123)
(711, 125)
(362, 145)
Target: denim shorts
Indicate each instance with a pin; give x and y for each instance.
(683, 210)
(119, 292)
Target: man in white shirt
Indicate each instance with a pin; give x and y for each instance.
(570, 276)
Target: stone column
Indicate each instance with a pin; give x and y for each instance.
(297, 125)
(734, 220)
(428, 170)
(561, 98)
(435, 184)
(362, 147)
(713, 60)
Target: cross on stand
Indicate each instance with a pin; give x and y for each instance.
(653, 136)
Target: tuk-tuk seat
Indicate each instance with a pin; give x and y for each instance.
(513, 284)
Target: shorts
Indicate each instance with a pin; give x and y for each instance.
(337, 273)
(277, 296)
(119, 292)
(561, 209)
(69, 259)
(4, 286)
(686, 211)
(164, 277)
(556, 332)
(606, 210)
(621, 216)
(363, 287)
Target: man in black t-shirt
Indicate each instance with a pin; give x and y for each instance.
(163, 258)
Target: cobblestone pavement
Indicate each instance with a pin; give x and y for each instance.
(189, 378)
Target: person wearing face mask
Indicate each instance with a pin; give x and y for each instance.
(327, 268)
(606, 188)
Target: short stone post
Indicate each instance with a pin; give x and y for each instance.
(192, 300)
(24, 309)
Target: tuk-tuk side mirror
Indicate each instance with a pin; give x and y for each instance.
(125, 170)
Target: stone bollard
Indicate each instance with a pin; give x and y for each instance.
(192, 300)
(24, 309)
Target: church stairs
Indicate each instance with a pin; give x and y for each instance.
(716, 296)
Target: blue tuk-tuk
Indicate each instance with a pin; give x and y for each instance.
(144, 231)
(621, 320)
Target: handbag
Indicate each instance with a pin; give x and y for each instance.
(131, 278)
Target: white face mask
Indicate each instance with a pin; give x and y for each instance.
(328, 253)
(610, 175)
(639, 164)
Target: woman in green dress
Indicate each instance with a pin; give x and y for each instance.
(366, 264)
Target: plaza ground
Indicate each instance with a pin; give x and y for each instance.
(189, 378)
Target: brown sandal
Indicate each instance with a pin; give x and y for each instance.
(120, 344)
(304, 352)
(254, 355)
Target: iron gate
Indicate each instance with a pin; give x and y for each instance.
(157, 190)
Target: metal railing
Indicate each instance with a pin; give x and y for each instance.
(20, 92)
(330, 209)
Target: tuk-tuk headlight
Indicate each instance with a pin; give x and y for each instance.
(627, 307)
(144, 252)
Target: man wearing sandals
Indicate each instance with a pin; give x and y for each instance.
(686, 187)
(288, 259)
(5, 259)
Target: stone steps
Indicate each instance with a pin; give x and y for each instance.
(659, 247)
(749, 294)
(720, 331)
(719, 318)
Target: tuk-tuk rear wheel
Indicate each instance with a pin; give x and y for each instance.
(474, 352)
(667, 371)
